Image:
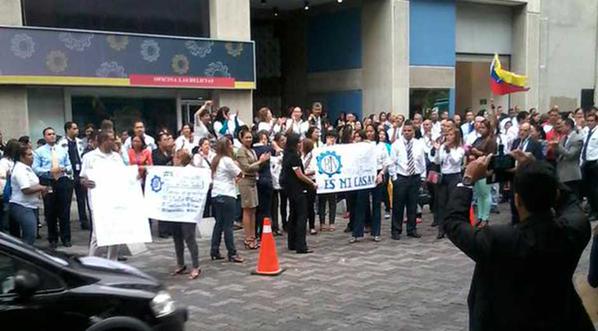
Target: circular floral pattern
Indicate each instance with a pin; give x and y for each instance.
(118, 43)
(56, 61)
(22, 45)
(180, 64)
(150, 50)
(75, 41)
(234, 49)
(111, 69)
(200, 49)
(217, 69)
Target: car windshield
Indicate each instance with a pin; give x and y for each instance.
(18, 242)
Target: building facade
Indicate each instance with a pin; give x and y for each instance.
(360, 56)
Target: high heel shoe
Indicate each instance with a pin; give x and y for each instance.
(179, 271)
(217, 257)
(236, 259)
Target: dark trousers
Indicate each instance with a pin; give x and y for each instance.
(589, 173)
(363, 209)
(575, 187)
(351, 201)
(81, 195)
(279, 199)
(405, 193)
(57, 209)
(264, 208)
(297, 222)
(311, 212)
(329, 199)
(385, 195)
(185, 233)
(207, 210)
(443, 192)
(224, 213)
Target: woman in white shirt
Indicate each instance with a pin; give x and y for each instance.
(225, 175)
(204, 156)
(25, 197)
(296, 124)
(267, 123)
(202, 120)
(187, 140)
(449, 156)
(226, 123)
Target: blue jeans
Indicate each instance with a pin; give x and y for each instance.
(223, 208)
(27, 219)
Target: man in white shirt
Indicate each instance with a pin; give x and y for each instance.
(436, 127)
(589, 164)
(100, 156)
(469, 125)
(407, 170)
(139, 130)
(394, 133)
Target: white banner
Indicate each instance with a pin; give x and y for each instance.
(345, 167)
(176, 194)
(117, 206)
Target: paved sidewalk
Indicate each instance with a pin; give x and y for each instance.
(411, 284)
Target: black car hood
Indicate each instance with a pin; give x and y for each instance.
(116, 274)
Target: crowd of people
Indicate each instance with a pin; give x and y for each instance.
(266, 169)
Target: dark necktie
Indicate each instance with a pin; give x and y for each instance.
(584, 154)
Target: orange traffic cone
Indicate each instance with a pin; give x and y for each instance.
(267, 261)
(472, 220)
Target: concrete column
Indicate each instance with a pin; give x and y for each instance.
(385, 68)
(526, 52)
(231, 19)
(13, 100)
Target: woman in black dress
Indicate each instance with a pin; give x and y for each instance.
(296, 184)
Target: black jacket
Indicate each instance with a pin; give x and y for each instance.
(533, 146)
(523, 273)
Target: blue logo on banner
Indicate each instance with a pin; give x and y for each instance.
(329, 163)
(156, 184)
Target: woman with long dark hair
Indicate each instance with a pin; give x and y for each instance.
(296, 183)
(226, 123)
(225, 175)
(141, 156)
(250, 164)
(449, 157)
(482, 146)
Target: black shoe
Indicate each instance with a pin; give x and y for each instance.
(67, 244)
(396, 237)
(53, 245)
(292, 249)
(440, 236)
(163, 235)
(347, 230)
(216, 257)
(434, 224)
(121, 258)
(307, 251)
(414, 235)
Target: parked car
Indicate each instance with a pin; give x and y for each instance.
(43, 291)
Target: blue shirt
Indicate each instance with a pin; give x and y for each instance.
(42, 161)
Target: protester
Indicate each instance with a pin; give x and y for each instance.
(187, 139)
(75, 148)
(250, 164)
(225, 174)
(25, 197)
(568, 152)
(296, 183)
(163, 156)
(328, 198)
(53, 167)
(203, 126)
(265, 190)
(226, 123)
(184, 232)
(7, 162)
(484, 145)
(103, 155)
(407, 170)
(141, 156)
(279, 198)
(296, 124)
(531, 263)
(139, 131)
(88, 130)
(589, 165)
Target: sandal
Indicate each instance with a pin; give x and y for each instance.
(179, 271)
(250, 244)
(195, 273)
(236, 259)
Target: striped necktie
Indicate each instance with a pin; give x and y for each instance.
(410, 162)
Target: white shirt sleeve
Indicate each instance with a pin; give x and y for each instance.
(231, 167)
(21, 178)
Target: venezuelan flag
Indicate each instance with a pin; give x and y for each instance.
(504, 82)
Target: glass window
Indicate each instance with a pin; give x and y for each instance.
(10, 265)
(423, 100)
(175, 18)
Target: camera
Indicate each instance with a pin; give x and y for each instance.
(501, 165)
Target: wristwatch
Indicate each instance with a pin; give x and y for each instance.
(467, 181)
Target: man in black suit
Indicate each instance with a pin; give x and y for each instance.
(523, 273)
(526, 144)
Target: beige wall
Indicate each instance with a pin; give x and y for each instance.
(13, 100)
(230, 19)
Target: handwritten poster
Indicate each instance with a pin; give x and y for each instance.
(176, 194)
(117, 205)
(342, 168)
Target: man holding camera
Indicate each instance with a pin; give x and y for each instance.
(523, 274)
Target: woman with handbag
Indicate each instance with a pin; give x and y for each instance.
(449, 156)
